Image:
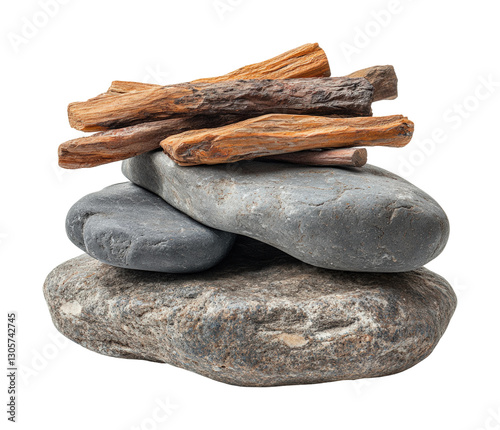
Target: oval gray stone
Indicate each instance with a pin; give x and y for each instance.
(357, 219)
(259, 318)
(127, 226)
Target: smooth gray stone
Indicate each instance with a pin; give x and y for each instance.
(259, 318)
(127, 226)
(358, 219)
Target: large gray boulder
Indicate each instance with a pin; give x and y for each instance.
(357, 219)
(259, 318)
(127, 226)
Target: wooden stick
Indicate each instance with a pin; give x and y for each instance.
(279, 134)
(383, 79)
(106, 147)
(306, 61)
(355, 157)
(122, 87)
(119, 144)
(321, 96)
(116, 145)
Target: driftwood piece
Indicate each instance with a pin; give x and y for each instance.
(383, 79)
(114, 145)
(278, 134)
(122, 87)
(306, 61)
(355, 157)
(314, 96)
(120, 144)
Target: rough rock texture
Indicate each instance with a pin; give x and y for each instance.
(259, 318)
(127, 226)
(357, 219)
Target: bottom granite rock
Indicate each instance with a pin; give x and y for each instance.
(260, 318)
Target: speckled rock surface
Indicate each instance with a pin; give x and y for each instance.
(127, 226)
(259, 318)
(358, 219)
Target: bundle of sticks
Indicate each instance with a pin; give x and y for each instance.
(287, 108)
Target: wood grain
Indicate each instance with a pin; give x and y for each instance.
(278, 134)
(383, 79)
(114, 145)
(355, 157)
(306, 61)
(315, 96)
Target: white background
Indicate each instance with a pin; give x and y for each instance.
(443, 52)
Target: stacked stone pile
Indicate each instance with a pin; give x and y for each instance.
(251, 271)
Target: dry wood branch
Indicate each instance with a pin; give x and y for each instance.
(318, 96)
(105, 147)
(306, 61)
(383, 79)
(122, 87)
(278, 134)
(355, 157)
(114, 145)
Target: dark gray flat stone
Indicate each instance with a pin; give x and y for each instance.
(127, 226)
(259, 318)
(359, 219)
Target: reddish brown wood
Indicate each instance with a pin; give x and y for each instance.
(383, 79)
(114, 145)
(306, 61)
(318, 96)
(278, 134)
(355, 157)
